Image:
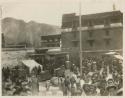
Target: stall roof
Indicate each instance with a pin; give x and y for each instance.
(110, 53)
(55, 51)
(31, 63)
(118, 57)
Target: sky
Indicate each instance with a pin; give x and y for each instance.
(51, 11)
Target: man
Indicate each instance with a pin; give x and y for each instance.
(73, 86)
(72, 67)
(34, 85)
(47, 85)
(111, 88)
(67, 85)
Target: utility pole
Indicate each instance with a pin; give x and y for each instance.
(1, 34)
(114, 8)
(80, 38)
(0, 19)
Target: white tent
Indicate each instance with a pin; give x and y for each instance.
(118, 57)
(114, 54)
(31, 64)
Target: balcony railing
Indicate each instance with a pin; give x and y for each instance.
(66, 30)
(93, 27)
(116, 24)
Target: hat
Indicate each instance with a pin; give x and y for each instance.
(110, 84)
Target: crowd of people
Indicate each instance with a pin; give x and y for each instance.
(18, 80)
(99, 77)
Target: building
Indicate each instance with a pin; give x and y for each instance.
(52, 46)
(101, 32)
(51, 41)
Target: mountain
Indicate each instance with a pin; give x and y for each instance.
(18, 32)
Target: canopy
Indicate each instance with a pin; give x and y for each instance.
(55, 49)
(118, 57)
(110, 53)
(114, 54)
(31, 64)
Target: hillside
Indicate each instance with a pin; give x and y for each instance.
(18, 32)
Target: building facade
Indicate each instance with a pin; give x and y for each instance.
(101, 32)
(51, 41)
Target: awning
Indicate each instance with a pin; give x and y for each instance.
(53, 50)
(118, 57)
(31, 64)
(110, 53)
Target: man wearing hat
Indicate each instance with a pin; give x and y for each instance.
(111, 87)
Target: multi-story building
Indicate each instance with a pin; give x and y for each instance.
(53, 45)
(51, 41)
(101, 32)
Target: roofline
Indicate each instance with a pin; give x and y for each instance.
(101, 13)
(52, 35)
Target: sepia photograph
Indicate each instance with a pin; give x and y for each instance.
(61, 47)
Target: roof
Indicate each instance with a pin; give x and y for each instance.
(91, 16)
(53, 35)
(110, 53)
(31, 63)
(118, 57)
(55, 51)
(102, 15)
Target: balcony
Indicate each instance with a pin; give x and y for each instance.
(75, 40)
(66, 30)
(93, 27)
(82, 28)
(116, 25)
(98, 26)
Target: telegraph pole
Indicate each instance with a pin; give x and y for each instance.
(1, 34)
(80, 38)
(0, 19)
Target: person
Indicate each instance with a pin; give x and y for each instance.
(92, 90)
(82, 82)
(94, 67)
(111, 88)
(39, 69)
(47, 85)
(72, 67)
(67, 85)
(86, 89)
(34, 85)
(73, 86)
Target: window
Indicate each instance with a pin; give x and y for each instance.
(90, 23)
(74, 34)
(58, 45)
(50, 40)
(90, 34)
(55, 39)
(107, 33)
(75, 43)
(115, 20)
(107, 42)
(98, 22)
(107, 22)
(91, 43)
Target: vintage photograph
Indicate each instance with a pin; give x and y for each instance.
(61, 47)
